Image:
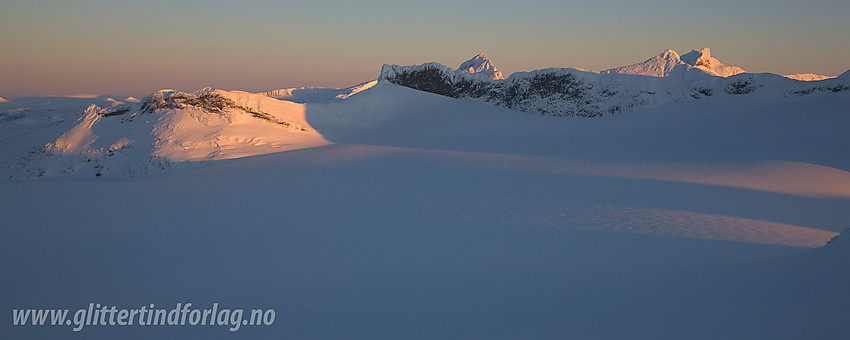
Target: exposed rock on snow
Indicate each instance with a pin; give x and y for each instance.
(551, 91)
(574, 92)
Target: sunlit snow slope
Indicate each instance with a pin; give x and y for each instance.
(165, 131)
(734, 150)
(398, 213)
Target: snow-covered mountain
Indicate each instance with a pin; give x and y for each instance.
(481, 65)
(572, 92)
(85, 136)
(665, 63)
(661, 65)
(3, 100)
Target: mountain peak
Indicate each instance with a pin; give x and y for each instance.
(669, 54)
(657, 66)
(663, 64)
(703, 60)
(481, 65)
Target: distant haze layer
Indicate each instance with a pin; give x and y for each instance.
(133, 48)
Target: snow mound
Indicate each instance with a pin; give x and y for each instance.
(481, 65)
(807, 76)
(703, 60)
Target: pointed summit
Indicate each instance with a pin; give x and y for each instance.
(669, 54)
(481, 65)
(703, 60)
(657, 66)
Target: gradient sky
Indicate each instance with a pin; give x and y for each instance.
(136, 47)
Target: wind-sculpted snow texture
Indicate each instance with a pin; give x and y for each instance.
(384, 212)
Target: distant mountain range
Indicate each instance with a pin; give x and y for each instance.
(95, 136)
(662, 79)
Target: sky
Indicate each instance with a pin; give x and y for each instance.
(136, 47)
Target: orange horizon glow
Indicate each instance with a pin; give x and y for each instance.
(132, 49)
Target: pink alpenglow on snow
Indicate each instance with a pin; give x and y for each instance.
(481, 65)
(444, 202)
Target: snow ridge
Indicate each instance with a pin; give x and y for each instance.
(318, 94)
